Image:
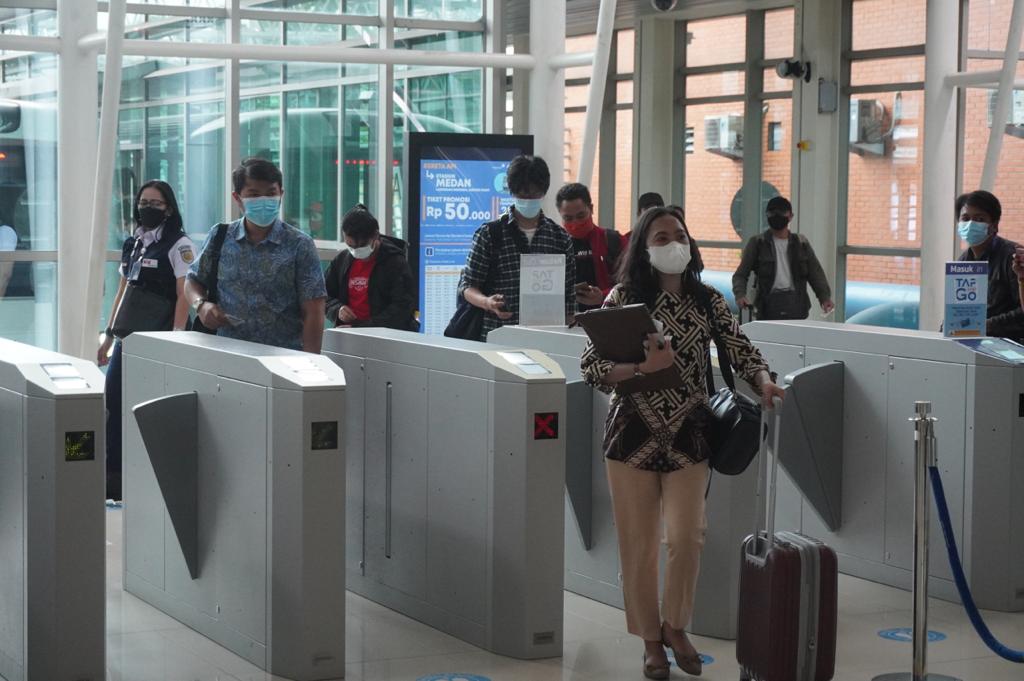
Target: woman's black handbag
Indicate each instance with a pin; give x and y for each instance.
(734, 430)
(142, 310)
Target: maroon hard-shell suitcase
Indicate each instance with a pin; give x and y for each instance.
(788, 603)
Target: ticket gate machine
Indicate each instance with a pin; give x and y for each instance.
(233, 524)
(976, 388)
(456, 469)
(52, 526)
(592, 570)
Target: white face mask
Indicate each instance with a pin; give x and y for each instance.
(671, 258)
(363, 252)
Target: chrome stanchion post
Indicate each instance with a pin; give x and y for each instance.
(924, 440)
(925, 456)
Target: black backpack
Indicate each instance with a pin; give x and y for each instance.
(614, 241)
(468, 321)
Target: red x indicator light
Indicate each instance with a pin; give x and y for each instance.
(545, 426)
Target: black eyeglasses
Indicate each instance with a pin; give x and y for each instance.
(146, 203)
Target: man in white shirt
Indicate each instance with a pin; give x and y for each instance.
(784, 264)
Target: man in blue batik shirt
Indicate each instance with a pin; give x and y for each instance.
(270, 288)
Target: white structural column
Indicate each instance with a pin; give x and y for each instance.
(232, 88)
(547, 89)
(104, 179)
(815, 171)
(598, 82)
(494, 79)
(521, 88)
(938, 242)
(76, 134)
(653, 166)
(1004, 96)
(385, 121)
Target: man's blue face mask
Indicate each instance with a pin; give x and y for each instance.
(528, 208)
(262, 210)
(972, 231)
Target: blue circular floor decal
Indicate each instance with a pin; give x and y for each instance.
(448, 676)
(906, 635)
(704, 659)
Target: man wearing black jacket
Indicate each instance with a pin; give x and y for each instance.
(978, 215)
(370, 284)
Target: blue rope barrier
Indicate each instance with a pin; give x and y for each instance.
(961, 580)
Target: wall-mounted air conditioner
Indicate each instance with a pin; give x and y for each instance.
(723, 135)
(867, 127)
(1015, 124)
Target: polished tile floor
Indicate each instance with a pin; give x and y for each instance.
(143, 644)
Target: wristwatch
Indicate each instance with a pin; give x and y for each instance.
(636, 371)
(198, 303)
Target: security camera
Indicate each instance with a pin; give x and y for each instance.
(793, 68)
(663, 5)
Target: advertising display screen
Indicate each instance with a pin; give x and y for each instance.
(456, 184)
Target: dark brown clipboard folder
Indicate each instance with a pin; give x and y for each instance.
(618, 335)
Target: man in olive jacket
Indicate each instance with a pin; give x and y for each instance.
(370, 283)
(784, 264)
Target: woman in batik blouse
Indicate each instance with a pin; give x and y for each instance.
(655, 445)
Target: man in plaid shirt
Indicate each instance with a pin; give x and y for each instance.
(523, 229)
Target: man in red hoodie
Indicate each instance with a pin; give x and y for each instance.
(597, 250)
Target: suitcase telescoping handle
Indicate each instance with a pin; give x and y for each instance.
(768, 523)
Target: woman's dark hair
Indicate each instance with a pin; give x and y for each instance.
(259, 169)
(638, 277)
(982, 200)
(526, 173)
(174, 219)
(360, 224)
(679, 212)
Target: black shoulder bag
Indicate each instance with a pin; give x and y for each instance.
(468, 321)
(734, 432)
(211, 291)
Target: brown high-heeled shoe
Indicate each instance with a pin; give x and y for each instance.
(655, 672)
(690, 663)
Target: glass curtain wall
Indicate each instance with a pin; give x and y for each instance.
(880, 227)
(318, 121)
(985, 33)
(728, 77)
(611, 185)
(28, 182)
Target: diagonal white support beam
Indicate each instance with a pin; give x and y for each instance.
(598, 82)
(1004, 96)
(107, 153)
